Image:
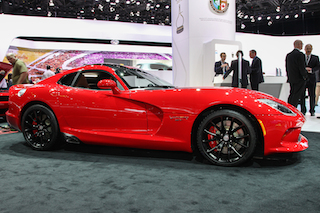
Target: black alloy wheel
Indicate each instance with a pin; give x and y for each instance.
(226, 138)
(40, 128)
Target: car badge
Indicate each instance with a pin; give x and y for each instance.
(219, 6)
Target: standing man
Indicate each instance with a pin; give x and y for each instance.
(20, 70)
(245, 70)
(296, 73)
(256, 76)
(48, 73)
(312, 66)
(220, 67)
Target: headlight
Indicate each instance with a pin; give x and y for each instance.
(277, 106)
(21, 92)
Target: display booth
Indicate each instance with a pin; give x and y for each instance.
(67, 55)
(271, 49)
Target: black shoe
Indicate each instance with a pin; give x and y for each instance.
(312, 114)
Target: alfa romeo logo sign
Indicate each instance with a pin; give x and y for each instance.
(219, 6)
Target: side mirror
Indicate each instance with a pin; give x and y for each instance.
(109, 84)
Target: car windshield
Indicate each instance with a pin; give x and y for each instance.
(135, 78)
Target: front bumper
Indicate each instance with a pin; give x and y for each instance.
(283, 134)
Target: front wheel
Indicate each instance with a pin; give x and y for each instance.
(226, 138)
(40, 128)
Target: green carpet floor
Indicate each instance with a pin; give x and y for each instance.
(92, 179)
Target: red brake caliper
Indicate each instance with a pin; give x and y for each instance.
(210, 137)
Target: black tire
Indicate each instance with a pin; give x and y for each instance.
(230, 144)
(40, 128)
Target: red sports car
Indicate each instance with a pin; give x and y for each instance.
(122, 106)
(4, 94)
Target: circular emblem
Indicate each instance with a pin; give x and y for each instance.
(219, 6)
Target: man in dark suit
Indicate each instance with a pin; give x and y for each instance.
(245, 70)
(220, 67)
(312, 66)
(256, 76)
(296, 73)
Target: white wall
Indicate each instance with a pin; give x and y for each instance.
(273, 49)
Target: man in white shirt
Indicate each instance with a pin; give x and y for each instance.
(48, 73)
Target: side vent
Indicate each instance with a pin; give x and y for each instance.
(71, 138)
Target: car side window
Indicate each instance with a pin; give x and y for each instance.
(158, 67)
(67, 79)
(88, 79)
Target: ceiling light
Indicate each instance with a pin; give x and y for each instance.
(278, 17)
(51, 4)
(246, 17)
(259, 18)
(278, 9)
(240, 14)
(296, 15)
(287, 16)
(243, 26)
(303, 10)
(167, 20)
(270, 23)
(268, 18)
(100, 7)
(305, 1)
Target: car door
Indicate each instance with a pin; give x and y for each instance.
(86, 107)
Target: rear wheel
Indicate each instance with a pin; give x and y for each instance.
(226, 138)
(40, 128)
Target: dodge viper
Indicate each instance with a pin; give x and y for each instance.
(114, 105)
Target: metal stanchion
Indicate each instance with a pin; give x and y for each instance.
(239, 68)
